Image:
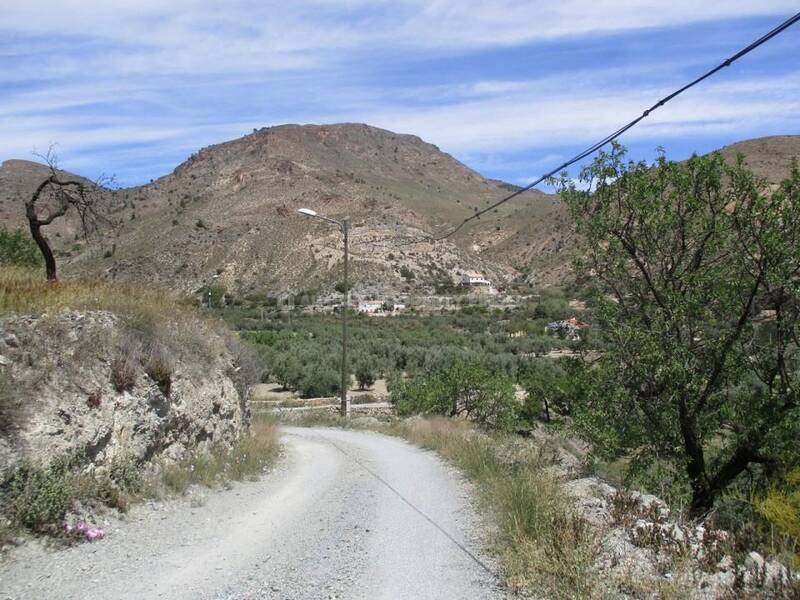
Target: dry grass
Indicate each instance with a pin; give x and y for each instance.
(153, 317)
(250, 456)
(542, 545)
(25, 291)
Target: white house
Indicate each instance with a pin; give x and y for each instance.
(472, 279)
(370, 307)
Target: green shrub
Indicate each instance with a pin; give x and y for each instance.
(17, 248)
(460, 388)
(319, 382)
(366, 371)
(125, 473)
(39, 498)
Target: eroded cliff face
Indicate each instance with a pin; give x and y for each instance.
(109, 387)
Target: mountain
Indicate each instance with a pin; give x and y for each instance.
(230, 211)
(768, 157)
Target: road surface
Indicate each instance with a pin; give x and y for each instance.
(346, 515)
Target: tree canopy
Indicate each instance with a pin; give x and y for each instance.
(695, 266)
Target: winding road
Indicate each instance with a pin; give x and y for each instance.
(345, 515)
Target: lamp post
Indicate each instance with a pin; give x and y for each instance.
(344, 227)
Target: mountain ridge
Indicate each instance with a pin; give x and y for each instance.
(228, 215)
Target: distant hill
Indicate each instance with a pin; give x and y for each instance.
(768, 157)
(230, 211)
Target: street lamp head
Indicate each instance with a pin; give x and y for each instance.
(307, 211)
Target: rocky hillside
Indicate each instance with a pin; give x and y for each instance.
(116, 377)
(230, 210)
(228, 215)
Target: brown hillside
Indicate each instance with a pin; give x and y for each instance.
(230, 211)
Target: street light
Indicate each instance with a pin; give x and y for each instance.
(344, 227)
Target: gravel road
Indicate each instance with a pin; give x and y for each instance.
(345, 515)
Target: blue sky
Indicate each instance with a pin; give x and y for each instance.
(510, 88)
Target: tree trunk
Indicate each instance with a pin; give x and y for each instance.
(702, 495)
(702, 501)
(47, 253)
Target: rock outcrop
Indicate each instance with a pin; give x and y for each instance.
(108, 388)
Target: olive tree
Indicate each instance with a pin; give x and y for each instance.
(459, 388)
(696, 267)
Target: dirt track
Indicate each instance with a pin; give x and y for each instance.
(346, 515)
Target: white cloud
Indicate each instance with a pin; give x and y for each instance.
(513, 121)
(167, 75)
(201, 36)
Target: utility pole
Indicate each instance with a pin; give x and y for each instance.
(344, 409)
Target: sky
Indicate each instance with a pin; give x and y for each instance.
(511, 88)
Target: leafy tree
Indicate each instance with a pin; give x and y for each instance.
(18, 249)
(365, 371)
(286, 369)
(544, 381)
(460, 389)
(696, 266)
(318, 382)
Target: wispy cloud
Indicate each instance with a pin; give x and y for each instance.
(163, 78)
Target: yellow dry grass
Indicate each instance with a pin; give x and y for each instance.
(24, 291)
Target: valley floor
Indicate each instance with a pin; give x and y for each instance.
(346, 515)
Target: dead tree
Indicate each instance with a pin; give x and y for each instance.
(58, 195)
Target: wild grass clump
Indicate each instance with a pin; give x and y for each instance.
(158, 365)
(247, 459)
(123, 372)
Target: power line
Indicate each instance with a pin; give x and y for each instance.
(610, 138)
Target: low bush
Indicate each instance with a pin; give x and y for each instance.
(39, 499)
(460, 389)
(125, 472)
(17, 248)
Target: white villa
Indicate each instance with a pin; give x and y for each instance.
(378, 308)
(370, 307)
(472, 279)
